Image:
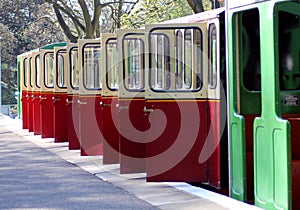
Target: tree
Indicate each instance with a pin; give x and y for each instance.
(8, 71)
(154, 11)
(203, 5)
(81, 18)
(22, 28)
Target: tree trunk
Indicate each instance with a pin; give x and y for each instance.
(196, 5)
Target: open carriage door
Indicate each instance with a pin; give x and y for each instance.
(30, 76)
(36, 93)
(73, 96)
(245, 96)
(60, 95)
(178, 102)
(24, 83)
(90, 96)
(109, 60)
(276, 132)
(46, 93)
(132, 120)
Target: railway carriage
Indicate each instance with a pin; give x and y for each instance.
(178, 99)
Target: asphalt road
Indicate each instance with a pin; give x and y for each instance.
(34, 178)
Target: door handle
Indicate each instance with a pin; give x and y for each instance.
(81, 102)
(69, 101)
(104, 105)
(148, 110)
(123, 107)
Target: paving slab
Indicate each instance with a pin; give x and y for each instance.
(41, 174)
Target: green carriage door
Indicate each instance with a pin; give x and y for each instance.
(245, 98)
(277, 133)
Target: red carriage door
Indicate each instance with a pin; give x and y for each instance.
(177, 103)
(109, 61)
(132, 120)
(46, 93)
(60, 95)
(73, 96)
(30, 75)
(24, 84)
(36, 93)
(90, 96)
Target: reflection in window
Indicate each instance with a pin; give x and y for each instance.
(188, 58)
(60, 69)
(74, 70)
(133, 62)
(49, 69)
(112, 76)
(180, 56)
(160, 61)
(289, 51)
(25, 67)
(38, 70)
(250, 50)
(213, 60)
(31, 72)
(91, 66)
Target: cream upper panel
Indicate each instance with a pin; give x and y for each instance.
(109, 61)
(176, 58)
(90, 68)
(60, 69)
(131, 54)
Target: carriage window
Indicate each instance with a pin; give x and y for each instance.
(213, 60)
(91, 67)
(112, 65)
(31, 72)
(60, 71)
(289, 51)
(49, 69)
(160, 62)
(188, 58)
(179, 56)
(25, 67)
(176, 61)
(133, 63)
(38, 71)
(250, 50)
(74, 70)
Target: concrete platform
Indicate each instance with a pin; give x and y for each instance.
(149, 195)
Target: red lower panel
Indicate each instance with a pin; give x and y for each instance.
(213, 140)
(24, 109)
(296, 184)
(179, 149)
(36, 114)
(73, 122)
(47, 117)
(249, 122)
(91, 141)
(60, 117)
(110, 130)
(133, 124)
(30, 111)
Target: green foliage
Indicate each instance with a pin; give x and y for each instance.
(23, 27)
(154, 11)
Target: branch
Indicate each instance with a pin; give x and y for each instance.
(63, 25)
(87, 19)
(68, 11)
